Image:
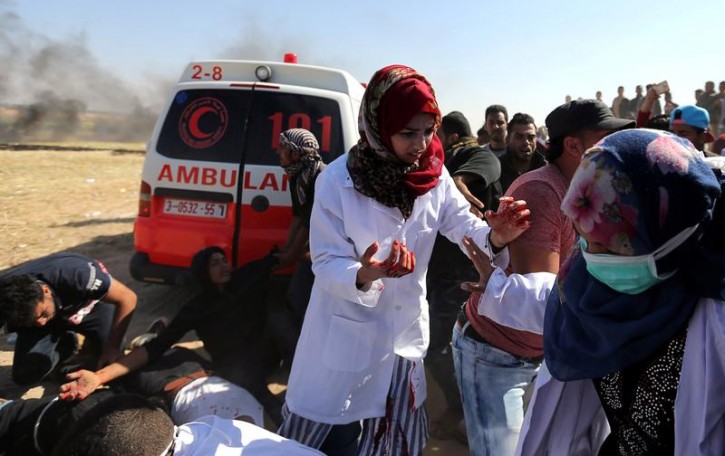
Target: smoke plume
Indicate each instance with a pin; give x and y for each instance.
(55, 90)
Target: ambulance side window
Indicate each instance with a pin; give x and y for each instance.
(274, 112)
(205, 125)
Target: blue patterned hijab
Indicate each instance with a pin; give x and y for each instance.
(634, 191)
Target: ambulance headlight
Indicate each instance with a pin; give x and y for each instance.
(263, 73)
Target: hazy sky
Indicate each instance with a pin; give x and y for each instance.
(526, 55)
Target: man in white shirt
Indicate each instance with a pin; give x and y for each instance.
(130, 424)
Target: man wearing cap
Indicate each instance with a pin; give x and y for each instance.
(476, 172)
(693, 123)
(497, 341)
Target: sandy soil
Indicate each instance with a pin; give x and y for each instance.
(83, 198)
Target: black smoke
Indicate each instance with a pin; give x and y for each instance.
(57, 90)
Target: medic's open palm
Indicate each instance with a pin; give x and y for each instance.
(400, 262)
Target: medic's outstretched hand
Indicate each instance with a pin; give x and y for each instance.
(511, 219)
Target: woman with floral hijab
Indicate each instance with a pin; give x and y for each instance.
(376, 214)
(634, 334)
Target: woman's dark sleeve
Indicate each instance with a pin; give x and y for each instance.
(181, 324)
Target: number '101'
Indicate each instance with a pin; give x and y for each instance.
(301, 120)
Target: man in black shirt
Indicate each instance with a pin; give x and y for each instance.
(50, 299)
(475, 171)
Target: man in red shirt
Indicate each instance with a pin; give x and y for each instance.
(497, 342)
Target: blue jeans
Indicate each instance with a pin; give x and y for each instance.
(492, 384)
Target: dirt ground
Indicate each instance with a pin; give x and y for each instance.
(83, 198)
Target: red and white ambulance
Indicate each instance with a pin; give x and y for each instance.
(211, 174)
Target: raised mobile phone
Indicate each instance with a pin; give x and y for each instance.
(661, 88)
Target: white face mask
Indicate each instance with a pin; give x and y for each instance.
(632, 274)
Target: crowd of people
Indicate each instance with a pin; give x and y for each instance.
(561, 282)
(706, 97)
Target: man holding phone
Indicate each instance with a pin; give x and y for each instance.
(689, 122)
(650, 107)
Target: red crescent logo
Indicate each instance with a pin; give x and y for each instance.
(189, 123)
(194, 122)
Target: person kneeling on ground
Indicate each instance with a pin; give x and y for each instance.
(48, 301)
(230, 319)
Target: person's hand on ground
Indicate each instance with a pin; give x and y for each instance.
(82, 384)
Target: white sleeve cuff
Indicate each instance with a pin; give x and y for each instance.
(517, 301)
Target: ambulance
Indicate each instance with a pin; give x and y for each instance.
(211, 174)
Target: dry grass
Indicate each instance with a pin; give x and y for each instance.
(54, 201)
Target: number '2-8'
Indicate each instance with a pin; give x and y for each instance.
(216, 72)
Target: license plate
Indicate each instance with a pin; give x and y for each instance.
(195, 208)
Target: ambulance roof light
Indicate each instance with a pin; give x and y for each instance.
(290, 57)
(263, 73)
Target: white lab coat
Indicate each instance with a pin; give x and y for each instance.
(345, 355)
(567, 417)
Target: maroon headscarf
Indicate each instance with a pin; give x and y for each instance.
(393, 97)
